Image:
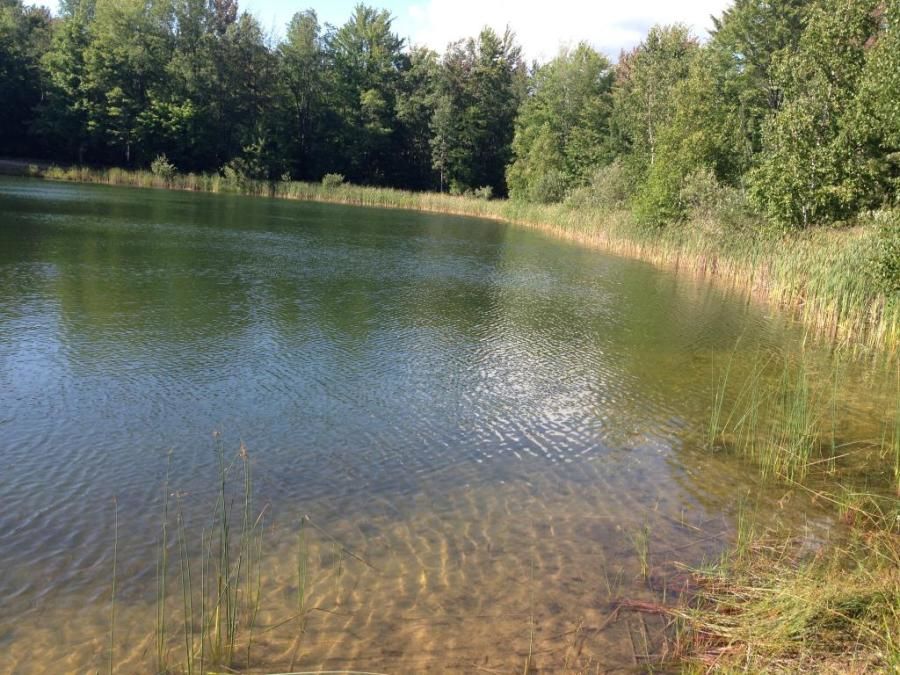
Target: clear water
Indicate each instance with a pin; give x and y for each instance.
(484, 415)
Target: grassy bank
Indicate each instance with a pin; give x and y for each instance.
(825, 276)
(779, 603)
(788, 601)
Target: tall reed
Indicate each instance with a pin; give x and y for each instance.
(218, 615)
(112, 610)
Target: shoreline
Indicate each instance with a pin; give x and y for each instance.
(719, 624)
(818, 275)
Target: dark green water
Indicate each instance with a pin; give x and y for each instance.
(486, 413)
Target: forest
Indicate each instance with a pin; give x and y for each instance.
(788, 115)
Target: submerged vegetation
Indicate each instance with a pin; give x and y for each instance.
(780, 602)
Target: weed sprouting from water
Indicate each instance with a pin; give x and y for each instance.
(112, 610)
(162, 562)
(778, 418)
(302, 567)
(641, 542)
(221, 615)
(780, 605)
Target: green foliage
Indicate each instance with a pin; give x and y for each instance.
(300, 108)
(875, 123)
(709, 202)
(886, 260)
(162, 168)
(486, 192)
(24, 37)
(609, 190)
(747, 42)
(644, 105)
(481, 85)
(332, 180)
(813, 170)
(562, 129)
(365, 60)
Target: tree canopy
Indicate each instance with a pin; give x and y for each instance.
(789, 109)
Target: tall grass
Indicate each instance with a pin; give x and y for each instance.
(218, 618)
(112, 603)
(775, 418)
(784, 604)
(822, 275)
(777, 607)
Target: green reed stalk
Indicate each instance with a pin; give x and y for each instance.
(641, 541)
(714, 430)
(186, 596)
(112, 611)
(302, 567)
(205, 556)
(162, 562)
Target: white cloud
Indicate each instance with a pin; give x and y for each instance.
(543, 27)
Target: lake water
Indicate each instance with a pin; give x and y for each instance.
(478, 421)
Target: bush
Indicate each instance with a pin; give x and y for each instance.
(886, 262)
(485, 192)
(609, 189)
(549, 188)
(235, 174)
(332, 180)
(458, 189)
(701, 194)
(162, 168)
(706, 200)
(658, 201)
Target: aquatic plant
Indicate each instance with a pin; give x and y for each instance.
(778, 605)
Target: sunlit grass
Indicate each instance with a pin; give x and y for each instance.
(782, 604)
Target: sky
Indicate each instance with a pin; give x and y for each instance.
(541, 27)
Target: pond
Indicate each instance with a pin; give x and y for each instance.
(490, 437)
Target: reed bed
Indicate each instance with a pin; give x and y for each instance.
(784, 412)
(782, 604)
(776, 602)
(215, 620)
(823, 275)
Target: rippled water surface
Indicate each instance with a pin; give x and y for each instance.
(478, 420)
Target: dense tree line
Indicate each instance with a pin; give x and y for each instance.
(790, 110)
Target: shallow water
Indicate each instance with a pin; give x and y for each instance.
(478, 420)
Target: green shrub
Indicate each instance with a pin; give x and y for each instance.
(549, 188)
(659, 202)
(162, 168)
(235, 174)
(707, 200)
(609, 189)
(886, 263)
(486, 192)
(458, 189)
(702, 194)
(332, 180)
